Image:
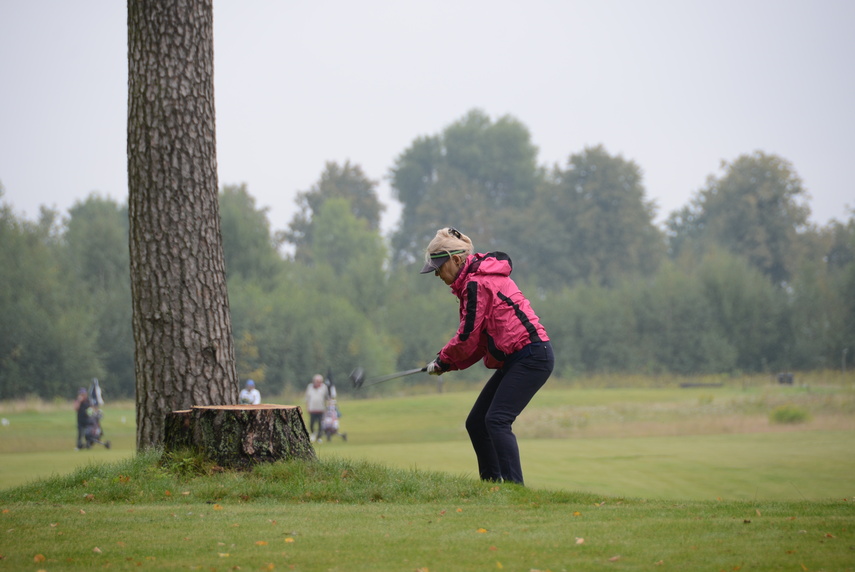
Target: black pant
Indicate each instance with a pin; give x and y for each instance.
(316, 417)
(503, 398)
(81, 435)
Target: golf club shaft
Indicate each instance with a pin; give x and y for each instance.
(381, 379)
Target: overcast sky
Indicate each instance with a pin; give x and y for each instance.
(674, 85)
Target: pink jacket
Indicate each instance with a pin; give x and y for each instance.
(496, 320)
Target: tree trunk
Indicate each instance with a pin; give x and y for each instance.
(240, 436)
(184, 353)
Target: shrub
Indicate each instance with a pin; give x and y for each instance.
(789, 414)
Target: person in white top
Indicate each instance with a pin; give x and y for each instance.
(249, 395)
(316, 403)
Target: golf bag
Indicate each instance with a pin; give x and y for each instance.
(93, 432)
(330, 423)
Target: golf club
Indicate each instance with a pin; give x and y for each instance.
(357, 376)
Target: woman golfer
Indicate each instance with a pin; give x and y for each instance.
(498, 325)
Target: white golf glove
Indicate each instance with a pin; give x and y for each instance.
(433, 368)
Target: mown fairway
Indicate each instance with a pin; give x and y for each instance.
(671, 443)
(670, 479)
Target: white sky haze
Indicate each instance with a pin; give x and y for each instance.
(676, 86)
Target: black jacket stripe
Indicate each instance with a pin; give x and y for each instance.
(532, 331)
(471, 310)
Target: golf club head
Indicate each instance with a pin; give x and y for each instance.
(357, 376)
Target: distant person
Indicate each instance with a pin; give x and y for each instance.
(498, 325)
(249, 395)
(81, 405)
(317, 394)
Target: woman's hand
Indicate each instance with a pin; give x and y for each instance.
(434, 368)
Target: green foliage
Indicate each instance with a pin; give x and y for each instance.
(473, 175)
(248, 246)
(754, 210)
(96, 254)
(187, 464)
(347, 182)
(597, 205)
(349, 258)
(421, 315)
(300, 331)
(47, 340)
(789, 415)
(750, 287)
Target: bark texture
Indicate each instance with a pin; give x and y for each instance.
(184, 353)
(240, 436)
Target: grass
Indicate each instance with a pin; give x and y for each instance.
(349, 515)
(657, 477)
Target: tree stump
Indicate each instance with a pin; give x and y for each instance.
(240, 436)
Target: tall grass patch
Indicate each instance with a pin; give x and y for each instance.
(789, 414)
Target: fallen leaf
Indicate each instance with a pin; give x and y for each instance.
(268, 566)
(460, 510)
(38, 558)
(90, 497)
(218, 507)
(757, 511)
(185, 493)
(660, 563)
(5, 511)
(829, 535)
(54, 524)
(580, 540)
(614, 558)
(493, 548)
(167, 493)
(96, 550)
(223, 554)
(261, 543)
(82, 511)
(442, 512)
(577, 513)
(482, 530)
(289, 539)
(120, 543)
(499, 565)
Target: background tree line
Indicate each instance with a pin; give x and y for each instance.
(738, 280)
